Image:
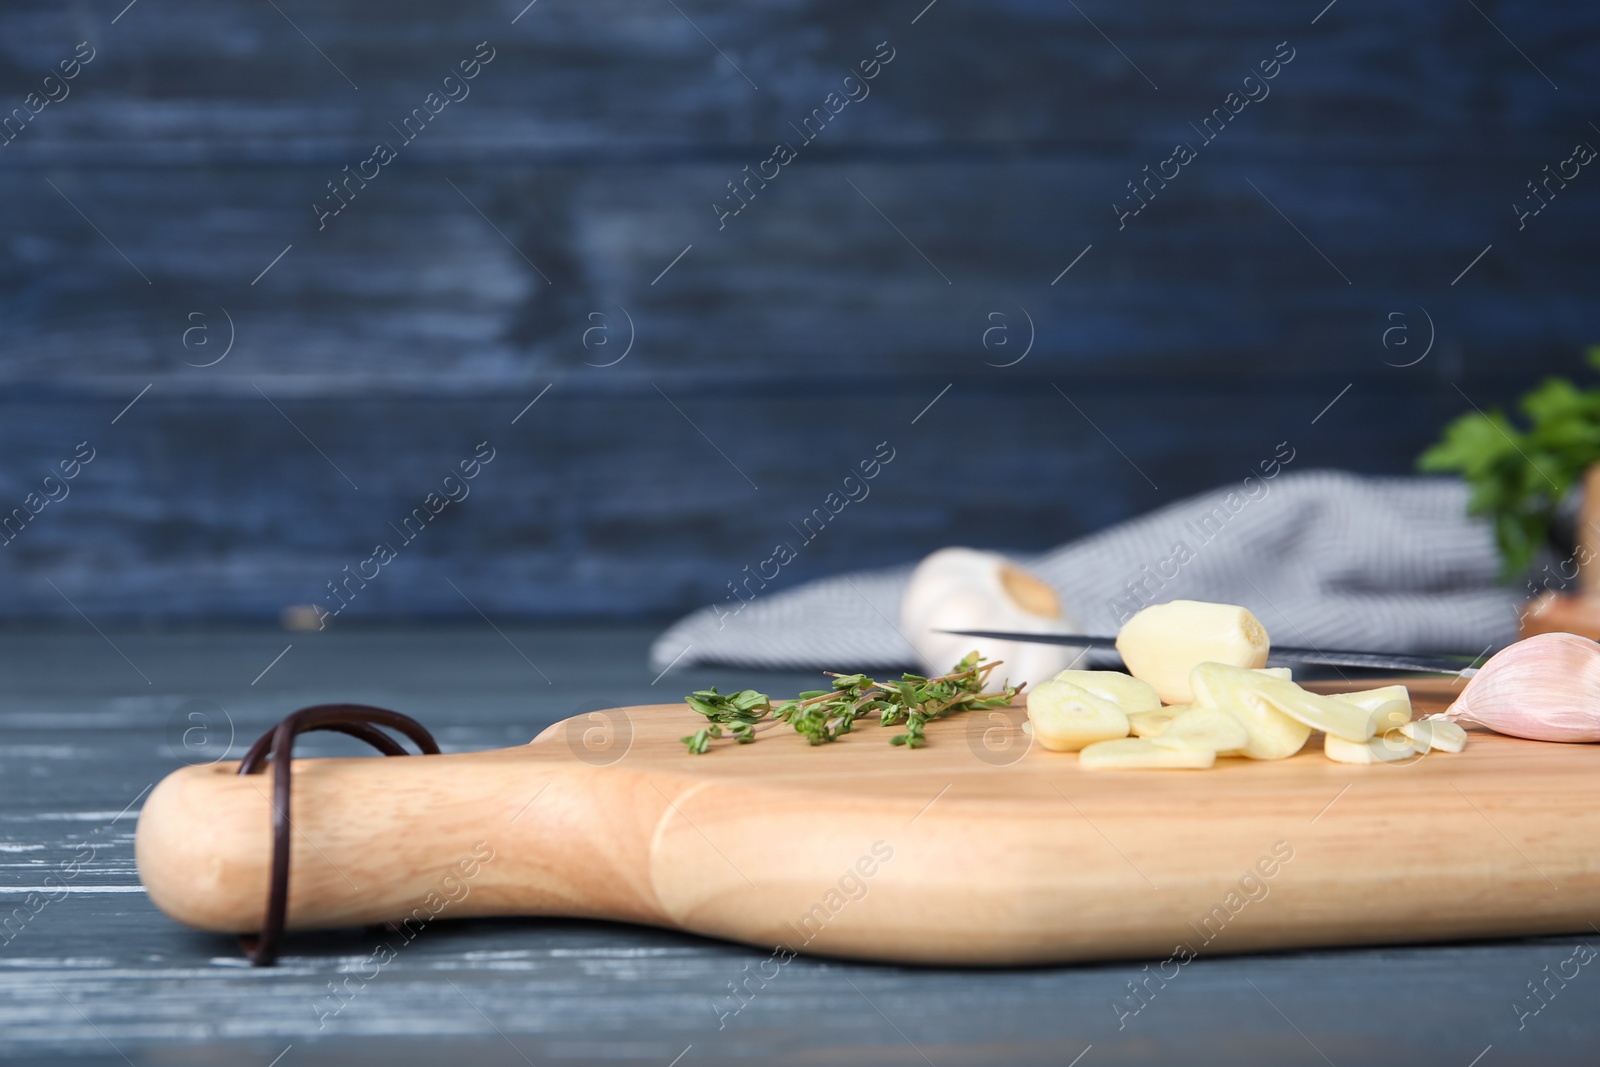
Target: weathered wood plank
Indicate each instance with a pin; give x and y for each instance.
(210, 83)
(411, 288)
(126, 981)
(585, 165)
(610, 502)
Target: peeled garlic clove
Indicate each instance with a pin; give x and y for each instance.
(1273, 735)
(1066, 717)
(1131, 753)
(1164, 642)
(1546, 688)
(1205, 728)
(1150, 723)
(1125, 691)
(1441, 734)
(1389, 748)
(964, 589)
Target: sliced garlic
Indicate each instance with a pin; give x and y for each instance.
(1388, 748)
(1066, 717)
(1276, 672)
(1205, 728)
(1164, 642)
(1125, 691)
(1441, 734)
(1390, 715)
(1273, 735)
(1340, 718)
(1372, 699)
(1151, 723)
(1389, 706)
(1131, 753)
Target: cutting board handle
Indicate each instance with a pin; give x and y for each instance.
(360, 721)
(518, 831)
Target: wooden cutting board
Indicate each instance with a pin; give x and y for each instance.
(978, 849)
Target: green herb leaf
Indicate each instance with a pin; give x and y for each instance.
(824, 715)
(1518, 478)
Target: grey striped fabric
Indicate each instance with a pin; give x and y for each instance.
(1322, 558)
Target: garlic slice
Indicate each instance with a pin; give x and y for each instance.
(1441, 734)
(1151, 723)
(1067, 717)
(1336, 717)
(1131, 753)
(1390, 715)
(1273, 735)
(1372, 699)
(1206, 728)
(1388, 706)
(1125, 691)
(1390, 748)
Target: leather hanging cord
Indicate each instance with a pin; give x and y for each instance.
(360, 721)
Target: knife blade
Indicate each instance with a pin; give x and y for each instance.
(1464, 666)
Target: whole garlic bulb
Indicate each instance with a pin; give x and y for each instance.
(965, 589)
(1546, 688)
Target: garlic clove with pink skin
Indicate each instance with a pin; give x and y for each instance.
(1545, 688)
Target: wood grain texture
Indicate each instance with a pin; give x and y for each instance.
(180, 520)
(593, 146)
(967, 854)
(102, 971)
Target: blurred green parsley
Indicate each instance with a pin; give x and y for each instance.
(1518, 477)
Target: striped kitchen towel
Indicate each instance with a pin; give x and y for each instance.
(1322, 558)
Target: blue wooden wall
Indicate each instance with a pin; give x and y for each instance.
(562, 207)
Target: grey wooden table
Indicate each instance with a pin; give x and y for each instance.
(96, 975)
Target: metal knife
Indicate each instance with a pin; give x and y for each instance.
(1464, 666)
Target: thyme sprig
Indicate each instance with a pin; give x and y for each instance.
(823, 715)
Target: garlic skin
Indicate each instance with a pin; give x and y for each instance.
(1545, 688)
(965, 589)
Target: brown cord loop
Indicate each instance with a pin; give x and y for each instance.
(357, 720)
